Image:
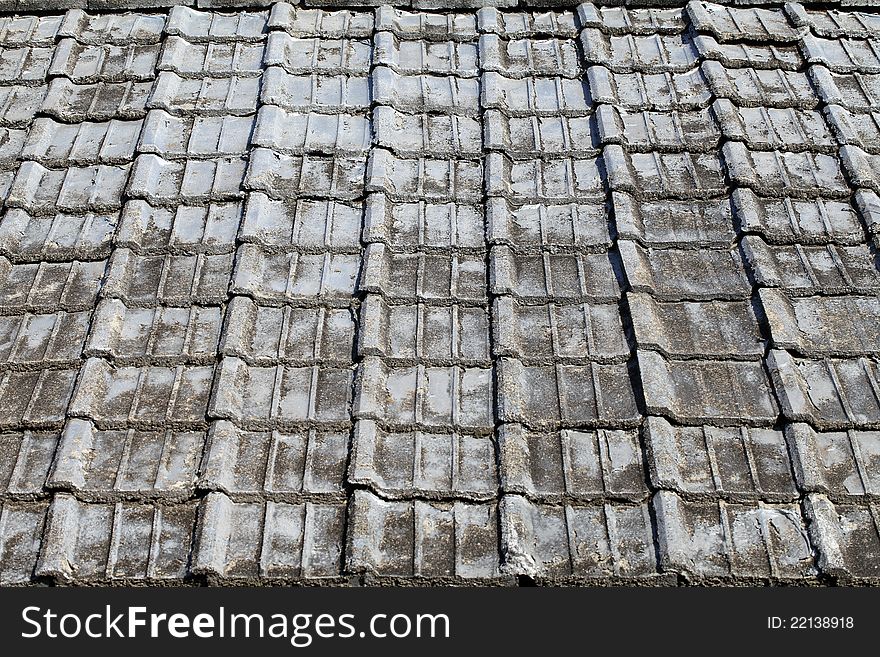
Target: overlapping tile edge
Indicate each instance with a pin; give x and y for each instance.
(487, 297)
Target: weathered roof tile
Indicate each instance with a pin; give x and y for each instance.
(21, 31)
(217, 60)
(18, 105)
(20, 538)
(632, 20)
(169, 182)
(695, 224)
(25, 460)
(763, 128)
(26, 238)
(546, 96)
(412, 135)
(846, 536)
(286, 177)
(628, 53)
(657, 175)
(296, 133)
(722, 392)
(25, 66)
(198, 26)
(42, 191)
(423, 57)
(732, 463)
(61, 144)
(663, 131)
(759, 55)
(85, 64)
(538, 226)
(309, 55)
(35, 399)
(424, 178)
(515, 25)
(841, 55)
(423, 226)
(561, 180)
(117, 29)
(778, 173)
(756, 87)
(39, 340)
(49, 286)
(300, 21)
(747, 24)
(209, 96)
(636, 92)
(182, 229)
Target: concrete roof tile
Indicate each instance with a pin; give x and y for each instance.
(42, 191)
(657, 175)
(286, 177)
(757, 87)
(515, 25)
(38, 340)
(20, 539)
(694, 223)
(26, 238)
(117, 29)
(22, 31)
(847, 538)
(325, 94)
(544, 96)
(300, 21)
(426, 25)
(310, 55)
(86, 64)
(733, 24)
(186, 229)
(206, 97)
(18, 105)
(296, 133)
(842, 464)
(25, 459)
(49, 286)
(197, 26)
(833, 23)
(102, 101)
(35, 399)
(638, 92)
(25, 66)
(629, 53)
(537, 226)
(425, 57)
(620, 20)
(54, 144)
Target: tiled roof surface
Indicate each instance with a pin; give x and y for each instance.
(573, 294)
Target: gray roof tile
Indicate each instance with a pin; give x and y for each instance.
(515, 25)
(208, 96)
(842, 55)
(303, 225)
(611, 540)
(863, 168)
(21, 533)
(657, 53)
(85, 64)
(551, 396)
(183, 229)
(162, 335)
(554, 276)
(558, 333)
(424, 93)
(805, 270)
(42, 191)
(428, 465)
(50, 339)
(35, 399)
(750, 55)
(662, 131)
(696, 223)
(533, 136)
(250, 466)
(747, 24)
(800, 221)
(49, 286)
(309, 55)
(170, 183)
(170, 279)
(763, 128)
(847, 538)
(25, 459)
(843, 464)
(282, 396)
(142, 397)
(821, 325)
(632, 20)
(25, 66)
(56, 237)
(658, 175)
(734, 463)
(424, 178)
(529, 57)
(18, 105)
(269, 540)
(833, 23)
(440, 541)
(118, 29)
(218, 60)
(756, 87)
(428, 26)
(286, 177)
(197, 26)
(868, 205)
(857, 92)
(296, 133)
(828, 393)
(426, 397)
(11, 143)
(571, 465)
(411, 135)
(116, 465)
(410, 333)
(710, 329)
(859, 129)
(307, 279)
(62, 144)
(723, 392)
(560, 180)
(668, 273)
(21, 31)
(103, 101)
(533, 227)
(300, 21)
(326, 94)
(423, 226)
(636, 92)
(267, 335)
(778, 173)
(125, 541)
(424, 57)
(720, 540)
(546, 96)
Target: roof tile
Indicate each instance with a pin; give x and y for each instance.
(842, 55)
(25, 459)
(694, 223)
(282, 396)
(734, 463)
(843, 464)
(777, 173)
(252, 465)
(208, 96)
(632, 20)
(168, 182)
(833, 23)
(521, 58)
(182, 229)
(50, 339)
(578, 226)
(515, 25)
(611, 540)
(428, 465)
(757, 87)
(423, 226)
(571, 465)
(18, 105)
(35, 399)
(22, 31)
(425, 93)
(296, 133)
(326, 94)
(300, 21)
(763, 128)
(663, 131)
(310, 55)
(103, 101)
(638, 92)
(218, 60)
(49, 286)
(558, 333)
(117, 29)
(658, 175)
(20, 537)
(858, 129)
(723, 392)
(198, 26)
(546, 96)
(56, 237)
(534, 136)
(410, 333)
(721, 540)
(750, 55)
(748, 24)
(424, 57)
(25, 66)
(560, 180)
(425, 25)
(412, 135)
(61, 144)
(85, 64)
(823, 325)
(451, 540)
(856, 92)
(426, 397)
(42, 191)
(286, 177)
(847, 538)
(628, 53)
(424, 178)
